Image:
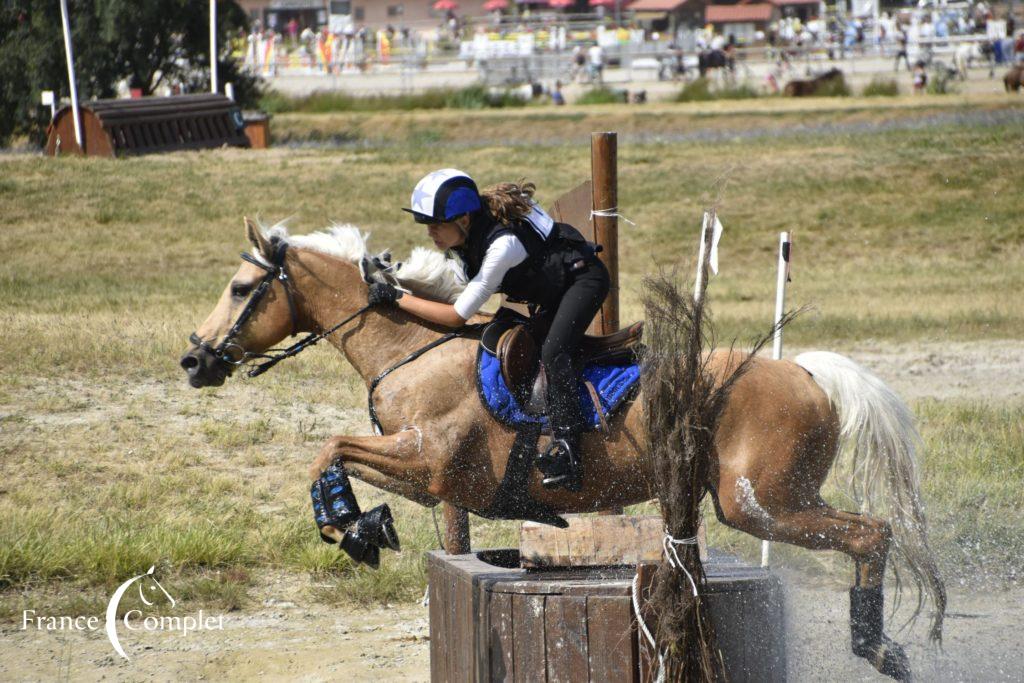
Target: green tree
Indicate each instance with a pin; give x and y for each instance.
(148, 42)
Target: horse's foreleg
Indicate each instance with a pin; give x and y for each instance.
(395, 456)
(377, 480)
(394, 461)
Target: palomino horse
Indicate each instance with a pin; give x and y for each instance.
(781, 429)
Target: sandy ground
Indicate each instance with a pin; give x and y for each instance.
(288, 639)
(990, 370)
(287, 636)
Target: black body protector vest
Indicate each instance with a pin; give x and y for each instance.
(546, 273)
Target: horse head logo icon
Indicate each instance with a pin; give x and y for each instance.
(115, 600)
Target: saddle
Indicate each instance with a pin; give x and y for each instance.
(512, 342)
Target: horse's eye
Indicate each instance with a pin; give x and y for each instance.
(239, 291)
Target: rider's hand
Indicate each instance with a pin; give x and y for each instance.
(382, 294)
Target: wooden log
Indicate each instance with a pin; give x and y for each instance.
(592, 541)
(604, 171)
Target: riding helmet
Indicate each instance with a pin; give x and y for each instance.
(444, 195)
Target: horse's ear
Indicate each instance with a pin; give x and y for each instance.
(256, 237)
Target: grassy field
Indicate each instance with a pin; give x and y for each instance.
(109, 463)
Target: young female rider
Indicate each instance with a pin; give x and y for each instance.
(507, 244)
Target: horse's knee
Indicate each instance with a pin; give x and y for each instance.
(328, 453)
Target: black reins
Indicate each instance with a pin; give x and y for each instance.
(275, 270)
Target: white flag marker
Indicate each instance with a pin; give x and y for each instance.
(710, 221)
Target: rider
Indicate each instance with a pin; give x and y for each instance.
(506, 243)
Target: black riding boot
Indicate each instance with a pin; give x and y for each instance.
(561, 463)
(867, 639)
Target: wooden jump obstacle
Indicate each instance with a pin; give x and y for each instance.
(149, 125)
(491, 620)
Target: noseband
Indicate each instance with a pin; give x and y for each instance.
(275, 270)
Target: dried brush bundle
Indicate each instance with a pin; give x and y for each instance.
(683, 401)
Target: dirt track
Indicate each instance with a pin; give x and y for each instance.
(287, 639)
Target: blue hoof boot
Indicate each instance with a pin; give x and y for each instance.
(334, 502)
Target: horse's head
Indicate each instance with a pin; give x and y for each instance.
(254, 312)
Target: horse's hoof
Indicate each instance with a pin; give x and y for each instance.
(360, 550)
(891, 660)
(378, 527)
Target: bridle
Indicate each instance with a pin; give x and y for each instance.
(275, 270)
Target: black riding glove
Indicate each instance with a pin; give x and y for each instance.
(382, 294)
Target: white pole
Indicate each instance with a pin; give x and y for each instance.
(705, 226)
(213, 46)
(780, 304)
(71, 72)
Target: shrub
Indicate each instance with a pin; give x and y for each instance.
(834, 88)
(473, 97)
(881, 87)
(940, 82)
(700, 91)
(602, 95)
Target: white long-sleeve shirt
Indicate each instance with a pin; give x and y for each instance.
(505, 253)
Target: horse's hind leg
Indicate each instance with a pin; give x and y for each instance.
(864, 538)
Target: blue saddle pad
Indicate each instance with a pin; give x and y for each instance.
(612, 382)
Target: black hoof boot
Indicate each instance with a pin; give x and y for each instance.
(561, 465)
(867, 639)
(378, 527)
(334, 502)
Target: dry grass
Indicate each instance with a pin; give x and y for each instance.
(109, 462)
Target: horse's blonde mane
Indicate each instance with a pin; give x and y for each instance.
(426, 273)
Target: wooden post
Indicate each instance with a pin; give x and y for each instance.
(604, 171)
(456, 530)
(604, 174)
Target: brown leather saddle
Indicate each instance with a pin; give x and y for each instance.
(519, 357)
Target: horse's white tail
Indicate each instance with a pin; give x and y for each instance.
(878, 433)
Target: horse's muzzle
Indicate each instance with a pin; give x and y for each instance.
(204, 369)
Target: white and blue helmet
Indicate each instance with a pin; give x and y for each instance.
(444, 195)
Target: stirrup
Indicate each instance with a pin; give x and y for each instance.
(561, 466)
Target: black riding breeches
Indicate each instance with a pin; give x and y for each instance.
(568, 322)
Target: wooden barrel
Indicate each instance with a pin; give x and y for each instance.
(493, 621)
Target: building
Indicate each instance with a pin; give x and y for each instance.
(275, 14)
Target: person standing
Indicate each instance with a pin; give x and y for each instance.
(901, 41)
(595, 60)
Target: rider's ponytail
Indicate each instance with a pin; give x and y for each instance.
(509, 202)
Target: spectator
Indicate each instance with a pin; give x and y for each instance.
(901, 40)
(595, 60)
(579, 62)
(920, 78)
(557, 98)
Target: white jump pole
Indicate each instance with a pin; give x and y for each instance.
(69, 54)
(213, 46)
(780, 304)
